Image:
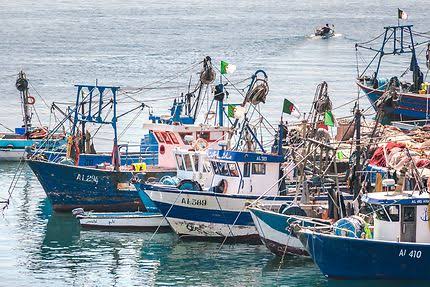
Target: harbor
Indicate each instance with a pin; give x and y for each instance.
(152, 144)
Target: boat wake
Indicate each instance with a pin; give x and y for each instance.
(314, 37)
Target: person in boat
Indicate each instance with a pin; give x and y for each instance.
(325, 29)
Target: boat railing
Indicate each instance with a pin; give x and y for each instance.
(147, 154)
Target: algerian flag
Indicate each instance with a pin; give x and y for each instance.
(230, 110)
(340, 155)
(288, 107)
(227, 68)
(402, 14)
(235, 111)
(329, 119)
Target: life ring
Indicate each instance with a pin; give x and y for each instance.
(31, 100)
(200, 144)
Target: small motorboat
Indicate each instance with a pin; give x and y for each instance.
(325, 32)
(126, 220)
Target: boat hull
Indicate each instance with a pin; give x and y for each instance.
(12, 154)
(208, 215)
(355, 258)
(411, 107)
(69, 187)
(100, 158)
(122, 220)
(274, 231)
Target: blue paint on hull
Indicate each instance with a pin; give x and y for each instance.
(208, 215)
(410, 107)
(354, 258)
(69, 187)
(205, 215)
(95, 159)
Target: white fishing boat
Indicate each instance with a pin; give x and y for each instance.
(126, 220)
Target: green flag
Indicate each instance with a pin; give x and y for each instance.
(230, 110)
(227, 68)
(288, 107)
(329, 119)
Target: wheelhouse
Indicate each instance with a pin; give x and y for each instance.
(170, 137)
(401, 217)
(245, 172)
(191, 164)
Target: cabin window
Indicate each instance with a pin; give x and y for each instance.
(233, 169)
(409, 214)
(206, 166)
(246, 169)
(387, 213)
(205, 135)
(173, 138)
(166, 138)
(187, 161)
(183, 135)
(258, 168)
(159, 137)
(223, 168)
(196, 162)
(180, 162)
(215, 167)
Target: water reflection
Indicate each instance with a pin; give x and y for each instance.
(51, 247)
(375, 283)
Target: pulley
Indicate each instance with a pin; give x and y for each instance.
(323, 102)
(22, 82)
(207, 75)
(259, 92)
(220, 92)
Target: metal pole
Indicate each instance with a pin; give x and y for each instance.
(358, 152)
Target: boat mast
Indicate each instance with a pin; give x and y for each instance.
(357, 181)
(98, 117)
(22, 86)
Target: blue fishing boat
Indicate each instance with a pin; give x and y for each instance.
(103, 187)
(14, 144)
(393, 97)
(106, 186)
(396, 247)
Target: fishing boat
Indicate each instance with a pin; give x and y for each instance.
(243, 173)
(103, 187)
(393, 96)
(106, 187)
(191, 165)
(14, 145)
(142, 220)
(396, 247)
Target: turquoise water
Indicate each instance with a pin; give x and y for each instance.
(131, 44)
(45, 249)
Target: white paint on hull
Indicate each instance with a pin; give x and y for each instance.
(207, 202)
(150, 221)
(267, 232)
(210, 229)
(11, 154)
